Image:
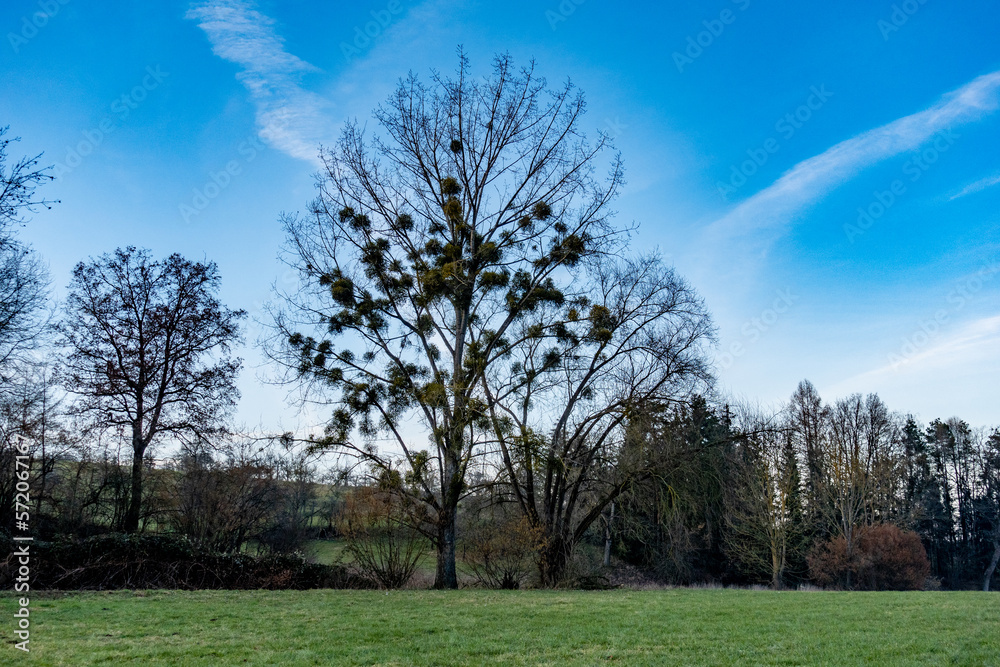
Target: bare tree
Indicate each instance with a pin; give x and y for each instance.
(764, 509)
(18, 183)
(426, 248)
(863, 436)
(31, 414)
(24, 280)
(808, 420)
(149, 350)
(24, 295)
(848, 483)
(991, 498)
(632, 337)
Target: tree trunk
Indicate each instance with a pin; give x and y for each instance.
(849, 553)
(447, 575)
(777, 564)
(607, 537)
(991, 569)
(553, 561)
(131, 524)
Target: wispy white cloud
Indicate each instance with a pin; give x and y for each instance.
(975, 343)
(289, 117)
(954, 374)
(810, 180)
(979, 186)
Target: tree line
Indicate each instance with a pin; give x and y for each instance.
(507, 381)
(848, 494)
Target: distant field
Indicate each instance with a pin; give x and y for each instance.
(507, 628)
(329, 552)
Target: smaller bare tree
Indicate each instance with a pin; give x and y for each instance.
(149, 351)
(567, 382)
(764, 509)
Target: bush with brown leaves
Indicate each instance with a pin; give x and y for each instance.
(885, 558)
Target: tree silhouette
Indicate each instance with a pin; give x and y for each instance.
(149, 351)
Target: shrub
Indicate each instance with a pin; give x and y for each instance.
(120, 561)
(500, 552)
(885, 558)
(892, 559)
(828, 563)
(385, 547)
(223, 507)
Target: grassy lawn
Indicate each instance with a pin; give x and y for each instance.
(507, 628)
(326, 551)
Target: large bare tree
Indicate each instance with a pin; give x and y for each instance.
(149, 351)
(430, 241)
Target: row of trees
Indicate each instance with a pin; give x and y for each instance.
(240, 495)
(790, 496)
(488, 347)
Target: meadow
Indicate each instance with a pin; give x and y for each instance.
(473, 627)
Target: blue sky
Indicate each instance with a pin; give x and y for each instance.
(826, 176)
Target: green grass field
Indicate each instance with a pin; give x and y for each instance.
(507, 628)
